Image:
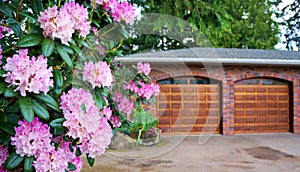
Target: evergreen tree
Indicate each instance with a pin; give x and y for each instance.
(225, 23)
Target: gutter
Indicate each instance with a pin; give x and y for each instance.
(217, 61)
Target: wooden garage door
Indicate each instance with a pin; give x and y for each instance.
(189, 106)
(261, 106)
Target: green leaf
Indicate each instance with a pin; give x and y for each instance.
(7, 127)
(3, 87)
(47, 47)
(40, 110)
(90, 160)
(4, 139)
(37, 6)
(28, 164)
(6, 10)
(30, 40)
(76, 48)
(71, 147)
(78, 152)
(13, 161)
(25, 105)
(9, 92)
(64, 55)
(48, 100)
(83, 108)
(71, 167)
(15, 26)
(98, 101)
(58, 78)
(57, 122)
(30, 16)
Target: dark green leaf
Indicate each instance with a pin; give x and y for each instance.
(27, 15)
(78, 152)
(25, 105)
(48, 100)
(71, 167)
(13, 161)
(37, 6)
(30, 40)
(76, 48)
(58, 78)
(90, 160)
(9, 92)
(57, 122)
(15, 26)
(71, 147)
(47, 47)
(4, 139)
(3, 87)
(40, 110)
(7, 127)
(28, 164)
(6, 10)
(64, 55)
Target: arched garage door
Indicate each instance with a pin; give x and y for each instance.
(189, 105)
(261, 106)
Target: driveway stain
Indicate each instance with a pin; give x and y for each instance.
(267, 153)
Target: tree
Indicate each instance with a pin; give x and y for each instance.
(226, 23)
(289, 19)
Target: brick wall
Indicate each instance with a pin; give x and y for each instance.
(228, 75)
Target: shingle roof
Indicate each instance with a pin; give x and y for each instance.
(218, 55)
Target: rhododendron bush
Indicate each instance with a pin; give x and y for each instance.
(62, 92)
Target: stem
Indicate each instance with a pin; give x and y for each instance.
(11, 48)
(58, 5)
(114, 49)
(19, 9)
(6, 25)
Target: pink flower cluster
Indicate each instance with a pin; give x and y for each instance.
(3, 155)
(143, 68)
(122, 11)
(31, 138)
(98, 74)
(34, 139)
(124, 104)
(71, 156)
(145, 90)
(115, 120)
(28, 74)
(63, 23)
(3, 29)
(51, 160)
(84, 121)
(0, 55)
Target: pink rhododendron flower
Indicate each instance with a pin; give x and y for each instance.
(51, 160)
(31, 138)
(122, 11)
(115, 120)
(106, 112)
(79, 17)
(143, 68)
(145, 90)
(3, 29)
(3, 155)
(0, 55)
(62, 23)
(124, 104)
(85, 121)
(98, 74)
(71, 156)
(28, 74)
(99, 140)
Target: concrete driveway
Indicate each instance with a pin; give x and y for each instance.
(262, 152)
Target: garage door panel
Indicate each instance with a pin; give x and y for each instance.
(194, 108)
(261, 108)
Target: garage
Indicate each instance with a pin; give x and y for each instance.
(189, 106)
(261, 105)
